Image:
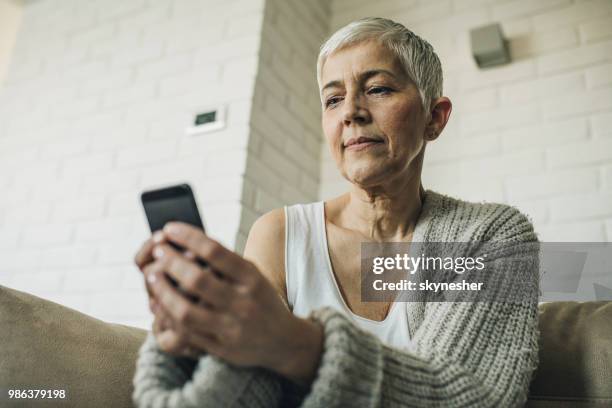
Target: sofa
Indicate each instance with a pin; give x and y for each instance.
(48, 346)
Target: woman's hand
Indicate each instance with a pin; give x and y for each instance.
(240, 317)
(166, 336)
(144, 257)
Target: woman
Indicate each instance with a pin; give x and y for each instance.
(381, 93)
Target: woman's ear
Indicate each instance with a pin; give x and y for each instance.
(430, 134)
(440, 113)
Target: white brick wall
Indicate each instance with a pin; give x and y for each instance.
(93, 111)
(539, 126)
(283, 164)
(98, 113)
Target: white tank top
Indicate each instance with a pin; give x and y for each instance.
(311, 283)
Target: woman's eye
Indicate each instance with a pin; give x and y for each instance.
(379, 90)
(331, 101)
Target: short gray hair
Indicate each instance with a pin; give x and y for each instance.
(416, 55)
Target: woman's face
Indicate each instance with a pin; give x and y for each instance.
(366, 94)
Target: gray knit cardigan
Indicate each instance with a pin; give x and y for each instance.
(463, 354)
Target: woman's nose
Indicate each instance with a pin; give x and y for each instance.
(354, 111)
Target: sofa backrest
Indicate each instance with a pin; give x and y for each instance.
(575, 367)
(44, 345)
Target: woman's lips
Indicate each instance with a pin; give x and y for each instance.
(362, 146)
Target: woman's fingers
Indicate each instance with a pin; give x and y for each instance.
(182, 327)
(167, 339)
(160, 321)
(144, 255)
(191, 344)
(199, 281)
(176, 265)
(170, 342)
(220, 258)
(185, 313)
(144, 258)
(146, 271)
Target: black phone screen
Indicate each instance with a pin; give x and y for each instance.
(174, 203)
(177, 208)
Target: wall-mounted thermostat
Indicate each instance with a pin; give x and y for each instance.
(207, 120)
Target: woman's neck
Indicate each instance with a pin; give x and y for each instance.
(386, 214)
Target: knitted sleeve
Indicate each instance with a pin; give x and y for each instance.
(466, 354)
(162, 380)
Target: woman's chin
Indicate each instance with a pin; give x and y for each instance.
(364, 176)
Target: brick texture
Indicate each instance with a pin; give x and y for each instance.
(283, 167)
(93, 110)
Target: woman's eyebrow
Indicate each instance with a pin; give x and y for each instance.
(363, 77)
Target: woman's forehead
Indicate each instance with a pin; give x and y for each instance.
(358, 59)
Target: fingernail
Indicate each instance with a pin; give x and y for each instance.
(171, 228)
(158, 237)
(151, 278)
(158, 252)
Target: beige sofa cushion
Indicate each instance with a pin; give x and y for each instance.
(45, 345)
(575, 356)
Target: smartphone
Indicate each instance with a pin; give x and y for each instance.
(173, 203)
